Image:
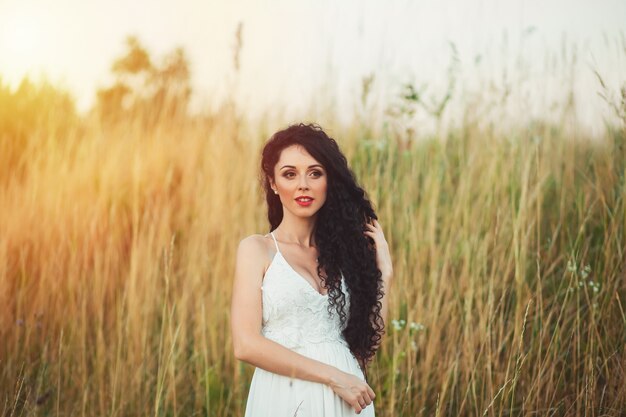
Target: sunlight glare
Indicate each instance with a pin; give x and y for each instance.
(21, 37)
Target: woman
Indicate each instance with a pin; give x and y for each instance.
(310, 298)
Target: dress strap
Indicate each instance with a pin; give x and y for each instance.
(275, 243)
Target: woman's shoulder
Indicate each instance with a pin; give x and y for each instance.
(255, 244)
(254, 249)
(254, 239)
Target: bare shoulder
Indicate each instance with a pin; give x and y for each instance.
(253, 249)
(252, 243)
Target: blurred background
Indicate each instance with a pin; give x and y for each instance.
(488, 134)
(285, 56)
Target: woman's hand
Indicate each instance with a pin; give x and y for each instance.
(352, 390)
(383, 258)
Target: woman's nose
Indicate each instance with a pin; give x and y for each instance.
(303, 184)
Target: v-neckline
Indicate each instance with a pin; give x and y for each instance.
(306, 281)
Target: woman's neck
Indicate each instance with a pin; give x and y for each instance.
(297, 230)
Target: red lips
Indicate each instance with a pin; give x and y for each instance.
(304, 200)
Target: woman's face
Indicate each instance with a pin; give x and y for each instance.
(297, 174)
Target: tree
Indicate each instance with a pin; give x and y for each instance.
(145, 90)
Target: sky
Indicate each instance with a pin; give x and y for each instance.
(298, 53)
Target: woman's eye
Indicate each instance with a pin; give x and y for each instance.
(317, 174)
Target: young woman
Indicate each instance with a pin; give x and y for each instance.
(310, 298)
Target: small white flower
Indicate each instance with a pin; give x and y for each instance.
(416, 326)
(396, 324)
(571, 266)
(585, 272)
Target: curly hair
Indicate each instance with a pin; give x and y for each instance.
(338, 231)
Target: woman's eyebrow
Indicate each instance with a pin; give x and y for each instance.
(310, 166)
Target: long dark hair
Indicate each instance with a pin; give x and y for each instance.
(338, 231)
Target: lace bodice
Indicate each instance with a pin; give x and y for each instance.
(294, 313)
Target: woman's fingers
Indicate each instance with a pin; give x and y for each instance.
(365, 399)
(361, 405)
(354, 390)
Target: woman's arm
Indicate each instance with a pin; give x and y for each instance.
(246, 315)
(251, 346)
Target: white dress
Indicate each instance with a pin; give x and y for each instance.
(295, 315)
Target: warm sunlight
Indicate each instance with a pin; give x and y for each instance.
(21, 36)
(156, 260)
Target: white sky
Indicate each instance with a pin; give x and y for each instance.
(295, 52)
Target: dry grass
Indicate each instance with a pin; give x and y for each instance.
(117, 253)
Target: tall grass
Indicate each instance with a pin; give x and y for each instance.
(117, 252)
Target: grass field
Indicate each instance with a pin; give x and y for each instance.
(117, 247)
